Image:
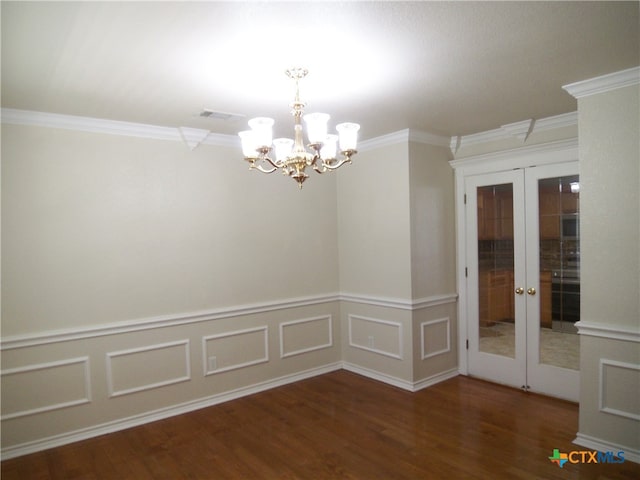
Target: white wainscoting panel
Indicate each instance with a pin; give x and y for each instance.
(383, 337)
(619, 387)
(435, 337)
(305, 335)
(232, 350)
(51, 386)
(137, 369)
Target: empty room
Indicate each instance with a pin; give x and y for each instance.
(316, 239)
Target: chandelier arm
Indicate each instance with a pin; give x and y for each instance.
(264, 170)
(314, 164)
(260, 168)
(320, 170)
(275, 164)
(337, 165)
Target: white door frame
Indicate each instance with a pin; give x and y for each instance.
(543, 154)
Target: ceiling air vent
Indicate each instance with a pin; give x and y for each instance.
(206, 113)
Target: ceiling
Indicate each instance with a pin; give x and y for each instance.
(449, 68)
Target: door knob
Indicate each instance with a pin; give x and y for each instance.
(531, 291)
(519, 290)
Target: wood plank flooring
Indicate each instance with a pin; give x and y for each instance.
(340, 425)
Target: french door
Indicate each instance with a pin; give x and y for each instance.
(523, 284)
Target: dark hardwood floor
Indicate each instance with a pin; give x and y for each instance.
(340, 425)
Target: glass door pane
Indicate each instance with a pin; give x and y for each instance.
(495, 261)
(496, 325)
(559, 243)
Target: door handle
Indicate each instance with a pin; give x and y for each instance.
(531, 291)
(519, 290)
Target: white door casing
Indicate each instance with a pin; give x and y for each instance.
(541, 378)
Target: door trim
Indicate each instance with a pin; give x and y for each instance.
(543, 154)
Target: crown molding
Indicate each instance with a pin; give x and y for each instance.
(549, 151)
(88, 124)
(193, 137)
(460, 141)
(520, 130)
(404, 136)
(222, 140)
(190, 136)
(419, 136)
(569, 119)
(604, 83)
(401, 136)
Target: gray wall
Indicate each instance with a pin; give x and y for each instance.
(609, 136)
(104, 228)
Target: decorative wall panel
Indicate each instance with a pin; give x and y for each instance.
(43, 387)
(383, 337)
(233, 350)
(435, 337)
(306, 335)
(619, 387)
(145, 368)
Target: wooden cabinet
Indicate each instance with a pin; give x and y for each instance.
(495, 212)
(549, 210)
(486, 217)
(497, 292)
(553, 203)
(496, 297)
(570, 202)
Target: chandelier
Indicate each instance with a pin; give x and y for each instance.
(291, 156)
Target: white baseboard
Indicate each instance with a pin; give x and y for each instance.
(148, 417)
(381, 377)
(432, 380)
(630, 454)
(398, 382)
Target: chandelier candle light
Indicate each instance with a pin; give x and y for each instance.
(291, 156)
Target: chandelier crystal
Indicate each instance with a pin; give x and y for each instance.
(291, 156)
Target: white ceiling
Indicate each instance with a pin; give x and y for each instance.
(450, 68)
